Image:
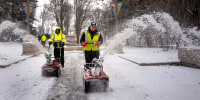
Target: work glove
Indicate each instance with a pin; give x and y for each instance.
(50, 43)
(84, 44)
(54, 44)
(97, 44)
(62, 44)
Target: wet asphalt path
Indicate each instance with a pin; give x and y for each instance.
(69, 86)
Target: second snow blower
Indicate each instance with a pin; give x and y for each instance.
(52, 66)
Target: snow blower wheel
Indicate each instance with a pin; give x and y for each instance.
(86, 86)
(58, 72)
(106, 85)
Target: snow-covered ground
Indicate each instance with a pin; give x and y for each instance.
(150, 55)
(10, 52)
(23, 81)
(128, 81)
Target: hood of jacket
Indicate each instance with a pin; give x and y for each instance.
(58, 28)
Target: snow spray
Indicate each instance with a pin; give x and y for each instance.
(118, 39)
(32, 39)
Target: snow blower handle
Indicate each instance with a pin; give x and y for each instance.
(90, 42)
(49, 45)
(98, 61)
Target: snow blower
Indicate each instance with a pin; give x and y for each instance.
(94, 75)
(52, 66)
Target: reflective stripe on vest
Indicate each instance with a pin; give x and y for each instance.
(91, 42)
(58, 38)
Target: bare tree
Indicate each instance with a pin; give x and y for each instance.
(67, 17)
(43, 16)
(40, 30)
(56, 7)
(82, 11)
(61, 9)
(99, 18)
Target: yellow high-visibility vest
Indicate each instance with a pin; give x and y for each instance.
(58, 37)
(43, 38)
(91, 41)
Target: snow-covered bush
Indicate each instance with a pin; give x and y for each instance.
(193, 34)
(9, 31)
(159, 29)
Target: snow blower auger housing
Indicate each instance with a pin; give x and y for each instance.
(52, 66)
(94, 75)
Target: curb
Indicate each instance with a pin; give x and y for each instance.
(4, 66)
(151, 64)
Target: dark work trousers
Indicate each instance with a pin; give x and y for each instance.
(57, 54)
(89, 55)
(43, 43)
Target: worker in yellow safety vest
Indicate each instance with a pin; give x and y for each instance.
(58, 40)
(43, 39)
(91, 40)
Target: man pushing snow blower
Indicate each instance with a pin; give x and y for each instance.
(93, 70)
(52, 66)
(58, 40)
(91, 40)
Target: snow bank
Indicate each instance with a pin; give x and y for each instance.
(10, 52)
